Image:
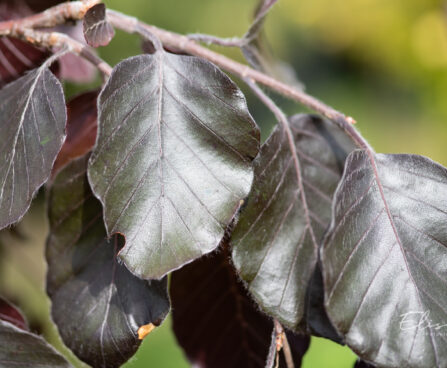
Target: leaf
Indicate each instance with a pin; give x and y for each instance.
(384, 259)
(97, 30)
(173, 158)
(274, 250)
(32, 127)
(81, 128)
(16, 56)
(11, 314)
(19, 348)
(97, 304)
(318, 322)
(216, 322)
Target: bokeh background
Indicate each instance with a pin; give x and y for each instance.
(383, 62)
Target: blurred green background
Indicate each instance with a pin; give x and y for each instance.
(382, 62)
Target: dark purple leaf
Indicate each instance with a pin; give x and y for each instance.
(81, 128)
(385, 259)
(11, 314)
(97, 30)
(20, 348)
(173, 158)
(97, 304)
(17, 57)
(216, 322)
(276, 240)
(32, 127)
(316, 317)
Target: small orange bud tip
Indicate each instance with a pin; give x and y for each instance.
(145, 330)
(351, 120)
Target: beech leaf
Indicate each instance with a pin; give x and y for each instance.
(32, 127)
(20, 348)
(82, 117)
(216, 322)
(385, 259)
(273, 247)
(97, 30)
(173, 158)
(107, 304)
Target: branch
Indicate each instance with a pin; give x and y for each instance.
(53, 40)
(51, 17)
(77, 9)
(185, 44)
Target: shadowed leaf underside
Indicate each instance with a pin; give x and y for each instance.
(216, 322)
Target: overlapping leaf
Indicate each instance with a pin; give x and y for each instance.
(216, 322)
(81, 128)
(173, 158)
(385, 259)
(97, 30)
(97, 304)
(11, 314)
(274, 250)
(20, 348)
(32, 127)
(16, 56)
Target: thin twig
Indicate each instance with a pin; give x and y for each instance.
(181, 42)
(51, 17)
(287, 353)
(56, 40)
(76, 10)
(282, 344)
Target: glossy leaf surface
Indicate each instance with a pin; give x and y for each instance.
(32, 127)
(97, 304)
(97, 30)
(82, 117)
(385, 259)
(216, 322)
(173, 158)
(273, 247)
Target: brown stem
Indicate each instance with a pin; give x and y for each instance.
(183, 43)
(53, 40)
(51, 17)
(76, 10)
